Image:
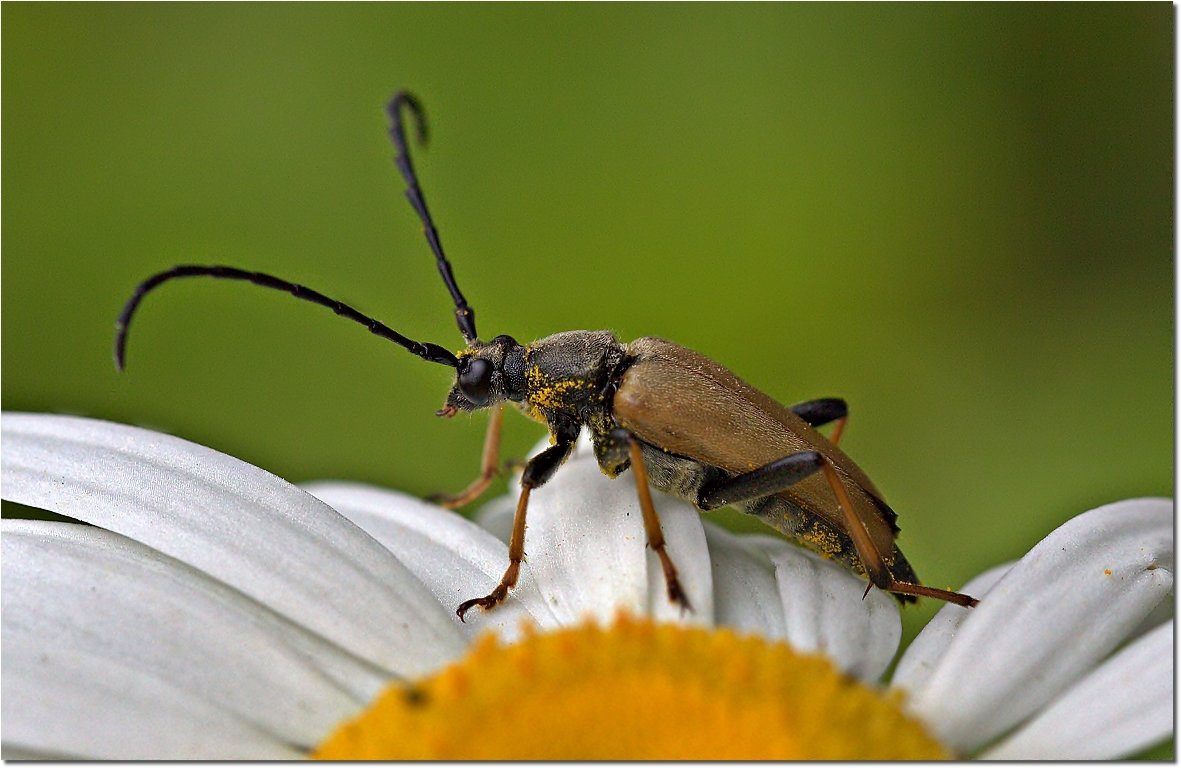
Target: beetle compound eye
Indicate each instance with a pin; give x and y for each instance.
(475, 379)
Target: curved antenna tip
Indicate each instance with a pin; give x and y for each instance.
(409, 100)
(120, 351)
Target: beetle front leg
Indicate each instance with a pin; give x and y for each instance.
(489, 468)
(676, 594)
(539, 469)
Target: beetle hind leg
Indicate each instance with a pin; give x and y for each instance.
(871, 558)
(781, 474)
(823, 411)
(920, 590)
(776, 476)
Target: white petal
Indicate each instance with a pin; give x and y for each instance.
(920, 659)
(586, 544)
(496, 516)
(824, 610)
(10, 751)
(453, 556)
(89, 710)
(746, 594)
(1051, 618)
(1121, 708)
(236, 522)
(1164, 611)
(89, 613)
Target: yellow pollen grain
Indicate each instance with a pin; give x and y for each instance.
(550, 395)
(822, 541)
(635, 691)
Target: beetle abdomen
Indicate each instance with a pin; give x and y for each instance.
(832, 543)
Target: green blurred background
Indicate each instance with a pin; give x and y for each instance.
(957, 217)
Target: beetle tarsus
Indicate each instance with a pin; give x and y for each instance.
(677, 596)
(487, 602)
(955, 598)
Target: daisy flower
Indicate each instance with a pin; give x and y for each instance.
(212, 610)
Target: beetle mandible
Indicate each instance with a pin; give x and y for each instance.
(679, 420)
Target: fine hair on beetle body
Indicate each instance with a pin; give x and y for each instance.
(678, 420)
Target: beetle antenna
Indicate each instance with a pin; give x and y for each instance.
(465, 316)
(427, 351)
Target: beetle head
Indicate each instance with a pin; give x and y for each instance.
(487, 373)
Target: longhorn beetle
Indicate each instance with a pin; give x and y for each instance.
(680, 421)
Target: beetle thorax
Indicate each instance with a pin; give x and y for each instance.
(570, 373)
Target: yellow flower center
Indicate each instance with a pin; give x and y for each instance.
(636, 691)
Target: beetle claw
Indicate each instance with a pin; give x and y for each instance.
(487, 602)
(677, 596)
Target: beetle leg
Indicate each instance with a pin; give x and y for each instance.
(875, 566)
(779, 475)
(613, 452)
(824, 411)
(488, 467)
(652, 529)
(539, 469)
(835, 436)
